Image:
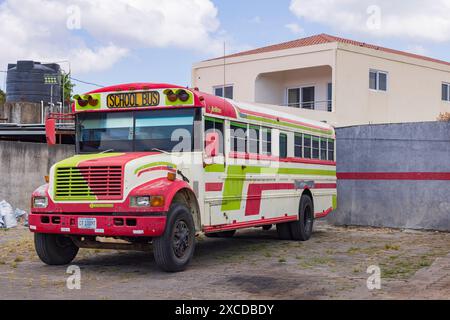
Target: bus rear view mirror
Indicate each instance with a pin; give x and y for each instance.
(212, 144)
(50, 131)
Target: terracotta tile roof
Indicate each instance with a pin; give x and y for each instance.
(325, 38)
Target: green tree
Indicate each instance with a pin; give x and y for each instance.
(2, 97)
(68, 86)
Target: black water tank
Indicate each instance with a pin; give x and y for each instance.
(25, 82)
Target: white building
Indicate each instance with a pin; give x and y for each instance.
(326, 78)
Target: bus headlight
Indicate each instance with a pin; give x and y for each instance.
(146, 201)
(40, 202)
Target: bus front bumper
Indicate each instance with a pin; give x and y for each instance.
(100, 226)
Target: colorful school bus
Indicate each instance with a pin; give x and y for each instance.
(158, 164)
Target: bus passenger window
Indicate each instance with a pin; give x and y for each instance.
(298, 146)
(307, 143)
(267, 141)
(215, 126)
(238, 137)
(283, 146)
(316, 148)
(323, 149)
(331, 149)
(254, 139)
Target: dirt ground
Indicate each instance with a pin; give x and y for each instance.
(253, 265)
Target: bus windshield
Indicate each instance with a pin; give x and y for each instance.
(136, 131)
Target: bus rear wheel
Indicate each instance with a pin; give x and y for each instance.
(302, 229)
(174, 250)
(55, 250)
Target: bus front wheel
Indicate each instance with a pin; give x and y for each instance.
(302, 229)
(174, 250)
(55, 250)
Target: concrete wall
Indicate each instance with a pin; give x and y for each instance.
(23, 167)
(21, 112)
(419, 198)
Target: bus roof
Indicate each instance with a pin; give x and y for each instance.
(115, 98)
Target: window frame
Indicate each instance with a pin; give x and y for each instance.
(377, 80)
(299, 104)
(223, 88)
(445, 84)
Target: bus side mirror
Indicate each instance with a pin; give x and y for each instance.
(50, 131)
(212, 144)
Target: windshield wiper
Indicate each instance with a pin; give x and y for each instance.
(107, 151)
(159, 150)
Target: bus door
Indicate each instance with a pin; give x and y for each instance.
(215, 170)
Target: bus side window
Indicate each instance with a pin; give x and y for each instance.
(330, 149)
(316, 148)
(323, 149)
(215, 126)
(307, 150)
(283, 146)
(254, 139)
(298, 146)
(238, 137)
(267, 141)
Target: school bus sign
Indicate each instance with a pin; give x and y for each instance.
(133, 99)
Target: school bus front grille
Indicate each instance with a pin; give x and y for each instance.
(88, 183)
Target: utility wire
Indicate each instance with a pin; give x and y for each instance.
(88, 83)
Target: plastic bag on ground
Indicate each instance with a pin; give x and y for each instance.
(7, 214)
(21, 217)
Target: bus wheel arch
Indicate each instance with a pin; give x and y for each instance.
(188, 198)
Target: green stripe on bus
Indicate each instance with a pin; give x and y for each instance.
(239, 125)
(155, 164)
(215, 168)
(214, 120)
(334, 202)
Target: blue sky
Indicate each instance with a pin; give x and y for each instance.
(107, 53)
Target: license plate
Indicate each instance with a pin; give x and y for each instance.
(87, 223)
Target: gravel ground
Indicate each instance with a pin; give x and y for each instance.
(253, 265)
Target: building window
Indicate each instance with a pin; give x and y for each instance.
(238, 137)
(446, 92)
(283, 146)
(224, 92)
(267, 141)
(378, 80)
(301, 97)
(298, 146)
(330, 97)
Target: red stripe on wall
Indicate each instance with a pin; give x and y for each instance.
(405, 176)
(213, 187)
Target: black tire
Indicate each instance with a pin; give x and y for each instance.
(223, 234)
(267, 228)
(303, 228)
(55, 250)
(174, 250)
(284, 231)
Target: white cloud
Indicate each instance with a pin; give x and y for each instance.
(110, 30)
(417, 19)
(295, 28)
